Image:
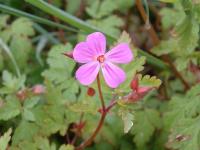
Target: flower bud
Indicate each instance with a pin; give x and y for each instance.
(69, 54)
(38, 89)
(134, 83)
(90, 91)
(22, 94)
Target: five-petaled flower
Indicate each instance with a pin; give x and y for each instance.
(92, 53)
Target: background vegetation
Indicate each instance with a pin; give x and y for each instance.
(43, 107)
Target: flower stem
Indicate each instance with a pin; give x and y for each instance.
(100, 93)
(101, 121)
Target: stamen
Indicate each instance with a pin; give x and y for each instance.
(101, 58)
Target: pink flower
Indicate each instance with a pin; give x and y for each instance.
(92, 53)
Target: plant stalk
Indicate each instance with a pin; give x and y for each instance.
(156, 41)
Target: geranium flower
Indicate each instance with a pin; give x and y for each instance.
(92, 53)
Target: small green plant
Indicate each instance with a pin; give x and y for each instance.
(100, 74)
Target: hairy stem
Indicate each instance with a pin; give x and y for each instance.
(101, 121)
(156, 41)
(100, 93)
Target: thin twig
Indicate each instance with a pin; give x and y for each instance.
(91, 138)
(156, 41)
(61, 33)
(148, 24)
(101, 121)
(78, 131)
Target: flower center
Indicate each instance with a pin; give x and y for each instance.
(101, 58)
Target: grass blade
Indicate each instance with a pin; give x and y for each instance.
(76, 22)
(20, 13)
(9, 53)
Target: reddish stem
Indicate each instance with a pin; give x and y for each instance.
(100, 93)
(145, 18)
(78, 131)
(156, 41)
(101, 121)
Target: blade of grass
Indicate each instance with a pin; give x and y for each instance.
(76, 22)
(8, 52)
(39, 48)
(19, 13)
(45, 33)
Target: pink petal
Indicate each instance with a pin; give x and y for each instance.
(113, 75)
(97, 43)
(87, 73)
(82, 53)
(120, 54)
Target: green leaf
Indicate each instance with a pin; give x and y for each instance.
(188, 27)
(3, 21)
(4, 140)
(44, 143)
(11, 83)
(86, 105)
(31, 102)
(168, 1)
(72, 6)
(24, 145)
(109, 24)
(147, 80)
(28, 115)
(170, 16)
(22, 26)
(146, 122)
(58, 64)
(166, 47)
(183, 106)
(92, 10)
(51, 115)
(127, 118)
(100, 9)
(185, 135)
(20, 134)
(10, 109)
(21, 51)
(66, 147)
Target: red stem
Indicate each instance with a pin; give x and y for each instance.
(100, 93)
(79, 130)
(101, 121)
(156, 41)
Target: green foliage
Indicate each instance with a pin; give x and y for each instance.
(58, 64)
(11, 83)
(182, 119)
(14, 34)
(4, 140)
(101, 13)
(66, 147)
(184, 38)
(10, 109)
(146, 122)
(168, 1)
(128, 118)
(43, 106)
